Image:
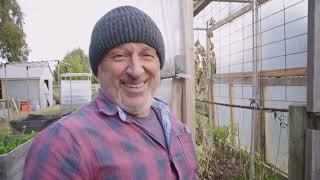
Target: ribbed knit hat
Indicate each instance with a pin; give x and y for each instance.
(123, 25)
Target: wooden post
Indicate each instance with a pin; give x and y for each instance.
(263, 135)
(312, 155)
(257, 78)
(313, 95)
(177, 86)
(233, 119)
(298, 122)
(188, 113)
(255, 125)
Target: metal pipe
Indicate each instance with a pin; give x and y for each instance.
(70, 79)
(27, 68)
(5, 76)
(200, 29)
(245, 107)
(59, 83)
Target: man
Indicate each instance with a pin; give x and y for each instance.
(124, 133)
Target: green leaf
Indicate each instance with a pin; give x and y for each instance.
(13, 46)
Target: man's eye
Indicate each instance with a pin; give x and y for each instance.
(118, 56)
(148, 55)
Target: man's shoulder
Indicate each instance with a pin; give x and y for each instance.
(77, 120)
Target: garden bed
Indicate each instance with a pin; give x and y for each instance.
(12, 163)
(219, 158)
(34, 122)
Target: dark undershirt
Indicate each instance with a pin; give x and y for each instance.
(153, 125)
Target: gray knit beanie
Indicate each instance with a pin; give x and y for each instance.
(123, 25)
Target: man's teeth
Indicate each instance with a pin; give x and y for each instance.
(134, 85)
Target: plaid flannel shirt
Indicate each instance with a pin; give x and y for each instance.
(101, 142)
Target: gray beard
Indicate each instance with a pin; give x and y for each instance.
(134, 110)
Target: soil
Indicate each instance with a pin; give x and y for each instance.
(223, 163)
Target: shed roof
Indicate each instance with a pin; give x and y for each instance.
(76, 75)
(31, 70)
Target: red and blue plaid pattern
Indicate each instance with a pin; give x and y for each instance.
(100, 142)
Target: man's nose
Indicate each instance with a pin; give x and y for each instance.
(135, 69)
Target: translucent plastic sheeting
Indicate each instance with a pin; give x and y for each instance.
(277, 145)
(168, 15)
(79, 95)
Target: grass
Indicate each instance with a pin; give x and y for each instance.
(4, 129)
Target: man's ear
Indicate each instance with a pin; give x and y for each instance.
(99, 72)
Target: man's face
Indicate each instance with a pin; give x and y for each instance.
(129, 76)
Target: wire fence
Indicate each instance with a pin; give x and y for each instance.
(253, 65)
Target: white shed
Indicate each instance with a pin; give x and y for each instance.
(28, 81)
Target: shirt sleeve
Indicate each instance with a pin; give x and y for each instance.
(54, 154)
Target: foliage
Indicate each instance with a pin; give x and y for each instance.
(10, 142)
(218, 159)
(13, 45)
(79, 62)
(222, 133)
(199, 105)
(204, 57)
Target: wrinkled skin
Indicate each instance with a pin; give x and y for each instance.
(129, 76)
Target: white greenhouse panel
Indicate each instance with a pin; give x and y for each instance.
(78, 95)
(272, 21)
(247, 67)
(297, 11)
(275, 93)
(273, 63)
(272, 35)
(244, 126)
(271, 7)
(292, 92)
(297, 27)
(288, 3)
(297, 60)
(273, 50)
(296, 44)
(236, 59)
(236, 68)
(277, 141)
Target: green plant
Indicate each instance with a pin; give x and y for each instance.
(262, 172)
(10, 142)
(56, 97)
(219, 159)
(222, 133)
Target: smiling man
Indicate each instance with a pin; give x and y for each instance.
(124, 133)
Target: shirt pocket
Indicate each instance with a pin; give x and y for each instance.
(189, 152)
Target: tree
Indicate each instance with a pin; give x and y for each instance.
(79, 62)
(13, 46)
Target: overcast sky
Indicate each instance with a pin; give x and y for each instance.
(55, 27)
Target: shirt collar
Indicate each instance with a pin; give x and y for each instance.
(105, 106)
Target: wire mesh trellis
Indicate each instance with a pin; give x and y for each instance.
(280, 52)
